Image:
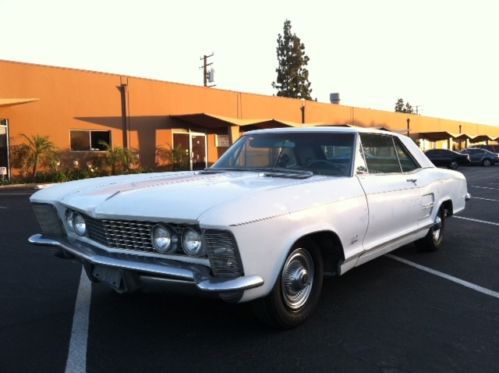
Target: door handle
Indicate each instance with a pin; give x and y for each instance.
(414, 181)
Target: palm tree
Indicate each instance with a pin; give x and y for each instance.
(39, 151)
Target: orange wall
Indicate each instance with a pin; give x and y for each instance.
(76, 99)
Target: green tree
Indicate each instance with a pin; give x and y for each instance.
(400, 107)
(38, 151)
(292, 74)
(119, 160)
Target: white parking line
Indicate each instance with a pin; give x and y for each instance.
(486, 199)
(482, 187)
(456, 280)
(476, 220)
(77, 355)
(3, 207)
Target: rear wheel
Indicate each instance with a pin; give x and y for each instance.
(453, 165)
(435, 237)
(297, 289)
(486, 163)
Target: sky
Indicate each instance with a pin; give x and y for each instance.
(442, 56)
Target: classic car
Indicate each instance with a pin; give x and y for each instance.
(279, 211)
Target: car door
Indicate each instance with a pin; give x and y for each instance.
(392, 190)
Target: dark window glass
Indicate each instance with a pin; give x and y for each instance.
(380, 153)
(406, 161)
(322, 153)
(101, 140)
(80, 140)
(83, 140)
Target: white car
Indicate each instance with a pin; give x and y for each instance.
(280, 210)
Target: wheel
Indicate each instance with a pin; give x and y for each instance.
(453, 165)
(297, 289)
(435, 237)
(486, 162)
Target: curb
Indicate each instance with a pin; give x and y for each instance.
(24, 186)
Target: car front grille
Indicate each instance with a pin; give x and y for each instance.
(122, 234)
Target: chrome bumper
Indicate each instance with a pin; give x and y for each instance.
(165, 269)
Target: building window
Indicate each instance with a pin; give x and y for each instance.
(85, 140)
(222, 141)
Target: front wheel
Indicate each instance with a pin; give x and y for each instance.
(297, 289)
(435, 237)
(453, 165)
(487, 163)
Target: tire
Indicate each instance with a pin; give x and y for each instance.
(435, 237)
(486, 162)
(297, 290)
(453, 165)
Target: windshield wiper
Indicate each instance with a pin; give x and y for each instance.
(267, 171)
(287, 172)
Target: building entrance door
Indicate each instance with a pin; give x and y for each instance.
(198, 151)
(189, 151)
(4, 149)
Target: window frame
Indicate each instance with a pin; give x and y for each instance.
(89, 140)
(394, 139)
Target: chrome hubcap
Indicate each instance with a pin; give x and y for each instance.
(297, 279)
(438, 231)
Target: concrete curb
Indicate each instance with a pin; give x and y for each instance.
(24, 186)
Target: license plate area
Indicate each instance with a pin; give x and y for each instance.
(111, 276)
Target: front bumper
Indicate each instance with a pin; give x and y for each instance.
(156, 268)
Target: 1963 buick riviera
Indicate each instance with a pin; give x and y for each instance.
(279, 210)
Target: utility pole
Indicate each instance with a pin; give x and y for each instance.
(207, 75)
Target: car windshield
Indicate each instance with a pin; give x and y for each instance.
(287, 153)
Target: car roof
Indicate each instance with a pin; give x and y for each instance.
(411, 146)
(328, 129)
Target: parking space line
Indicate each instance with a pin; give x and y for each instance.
(486, 199)
(456, 280)
(482, 187)
(77, 355)
(476, 220)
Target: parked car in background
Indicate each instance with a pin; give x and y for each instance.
(491, 148)
(481, 157)
(280, 210)
(447, 158)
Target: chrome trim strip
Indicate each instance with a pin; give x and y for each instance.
(195, 274)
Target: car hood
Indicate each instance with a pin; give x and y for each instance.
(180, 196)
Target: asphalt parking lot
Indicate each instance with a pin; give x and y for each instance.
(407, 312)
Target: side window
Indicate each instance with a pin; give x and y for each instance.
(87, 140)
(406, 161)
(380, 154)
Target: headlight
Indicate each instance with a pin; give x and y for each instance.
(192, 243)
(161, 238)
(79, 225)
(69, 219)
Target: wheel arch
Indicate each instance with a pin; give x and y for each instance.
(448, 206)
(330, 247)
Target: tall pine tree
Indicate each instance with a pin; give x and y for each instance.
(292, 74)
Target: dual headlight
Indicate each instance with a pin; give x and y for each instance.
(76, 222)
(163, 241)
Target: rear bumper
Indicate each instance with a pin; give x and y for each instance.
(168, 271)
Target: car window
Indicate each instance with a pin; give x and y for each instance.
(380, 153)
(321, 153)
(406, 160)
